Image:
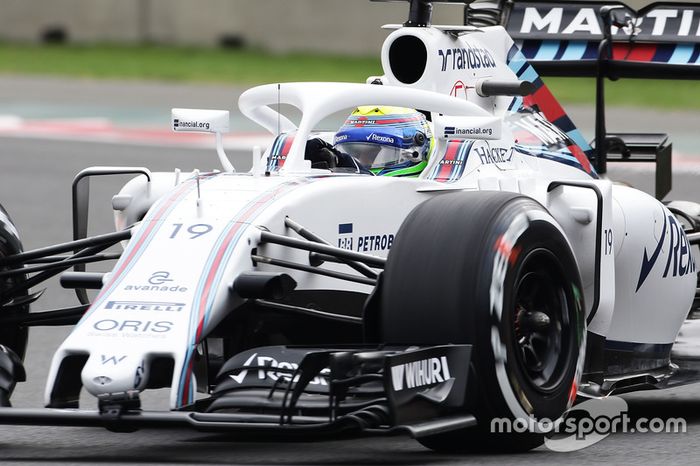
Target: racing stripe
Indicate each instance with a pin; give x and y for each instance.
(451, 166)
(634, 52)
(138, 244)
(463, 154)
(543, 100)
(539, 50)
(279, 151)
(681, 54)
(574, 50)
(450, 155)
(546, 102)
(215, 267)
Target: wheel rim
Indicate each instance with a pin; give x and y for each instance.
(541, 324)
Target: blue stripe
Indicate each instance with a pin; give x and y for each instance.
(344, 228)
(647, 348)
(529, 75)
(591, 52)
(517, 62)
(547, 50)
(553, 156)
(695, 55)
(663, 53)
(529, 48)
(515, 104)
(577, 137)
(563, 45)
(575, 50)
(682, 54)
(514, 50)
(135, 240)
(219, 273)
(462, 154)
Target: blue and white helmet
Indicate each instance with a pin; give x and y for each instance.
(393, 141)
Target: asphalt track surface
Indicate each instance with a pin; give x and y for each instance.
(35, 188)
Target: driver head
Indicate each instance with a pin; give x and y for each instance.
(393, 141)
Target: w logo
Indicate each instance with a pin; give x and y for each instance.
(397, 377)
(113, 359)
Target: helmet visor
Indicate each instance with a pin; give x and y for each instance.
(372, 155)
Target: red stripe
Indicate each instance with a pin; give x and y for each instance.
(260, 202)
(208, 283)
(634, 52)
(581, 157)
(186, 389)
(149, 228)
(285, 148)
(256, 205)
(450, 154)
(546, 102)
(392, 121)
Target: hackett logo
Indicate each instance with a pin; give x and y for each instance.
(420, 373)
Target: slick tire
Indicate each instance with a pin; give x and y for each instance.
(12, 336)
(493, 270)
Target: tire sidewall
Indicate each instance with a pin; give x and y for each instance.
(522, 228)
(14, 337)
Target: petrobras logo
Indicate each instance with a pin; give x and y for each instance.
(420, 373)
(374, 137)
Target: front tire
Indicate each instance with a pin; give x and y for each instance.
(13, 336)
(493, 270)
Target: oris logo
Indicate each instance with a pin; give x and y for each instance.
(133, 326)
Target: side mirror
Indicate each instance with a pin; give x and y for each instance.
(200, 121)
(189, 120)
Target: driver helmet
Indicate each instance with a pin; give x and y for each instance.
(391, 141)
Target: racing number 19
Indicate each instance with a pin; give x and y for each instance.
(196, 230)
(608, 243)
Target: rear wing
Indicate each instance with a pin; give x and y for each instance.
(661, 40)
(610, 40)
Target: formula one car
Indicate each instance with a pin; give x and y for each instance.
(505, 280)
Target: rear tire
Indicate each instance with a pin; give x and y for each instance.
(493, 270)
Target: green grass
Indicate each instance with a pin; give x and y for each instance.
(679, 95)
(248, 67)
(184, 64)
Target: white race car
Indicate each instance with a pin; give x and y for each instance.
(507, 278)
